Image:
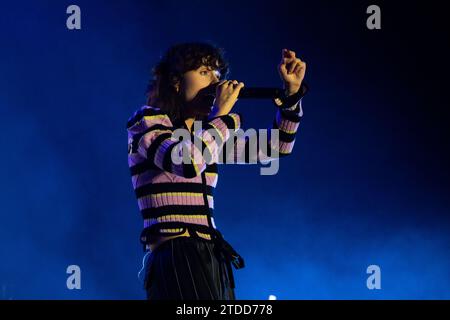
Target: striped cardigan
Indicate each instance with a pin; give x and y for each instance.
(172, 197)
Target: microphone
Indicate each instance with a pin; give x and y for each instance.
(246, 93)
(201, 104)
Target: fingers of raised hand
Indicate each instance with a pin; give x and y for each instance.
(287, 55)
(295, 65)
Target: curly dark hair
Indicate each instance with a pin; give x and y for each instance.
(177, 60)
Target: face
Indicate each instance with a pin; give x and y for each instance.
(195, 80)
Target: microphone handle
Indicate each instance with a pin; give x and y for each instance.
(201, 104)
(247, 93)
(269, 93)
(259, 93)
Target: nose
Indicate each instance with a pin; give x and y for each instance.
(214, 80)
(215, 77)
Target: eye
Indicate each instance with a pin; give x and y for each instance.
(216, 72)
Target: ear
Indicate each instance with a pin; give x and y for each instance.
(176, 84)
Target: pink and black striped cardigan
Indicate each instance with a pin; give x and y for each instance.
(173, 198)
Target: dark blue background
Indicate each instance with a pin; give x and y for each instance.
(367, 182)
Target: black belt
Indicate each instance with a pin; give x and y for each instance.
(222, 245)
(223, 249)
(229, 254)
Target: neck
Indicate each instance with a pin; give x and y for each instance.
(189, 122)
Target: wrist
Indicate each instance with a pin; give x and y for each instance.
(290, 90)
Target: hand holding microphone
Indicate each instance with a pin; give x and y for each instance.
(227, 92)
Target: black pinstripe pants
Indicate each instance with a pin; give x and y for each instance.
(188, 268)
